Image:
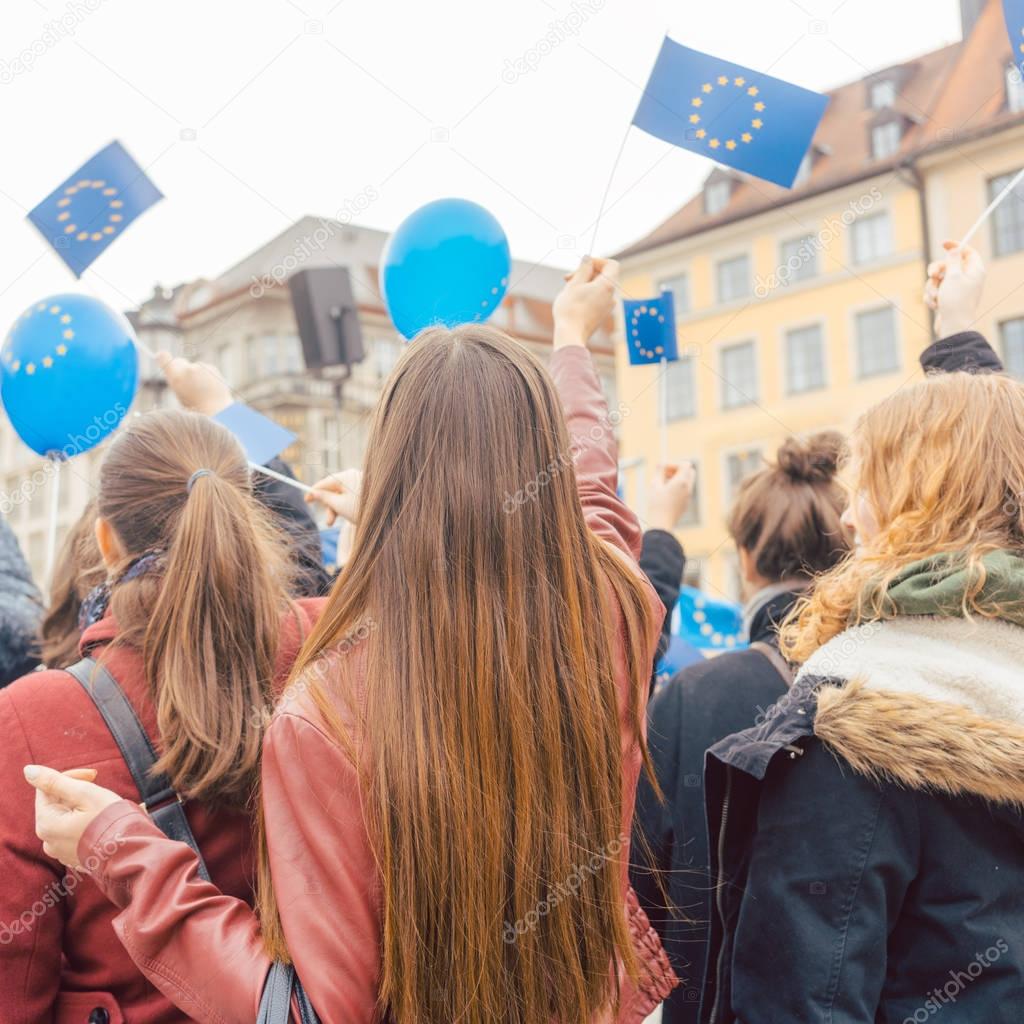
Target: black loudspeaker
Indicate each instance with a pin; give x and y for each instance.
(326, 314)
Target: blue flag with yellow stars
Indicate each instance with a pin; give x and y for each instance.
(94, 206)
(651, 330)
(755, 123)
(1013, 11)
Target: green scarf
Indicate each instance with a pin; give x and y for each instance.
(936, 586)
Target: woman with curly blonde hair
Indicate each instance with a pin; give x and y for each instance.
(867, 839)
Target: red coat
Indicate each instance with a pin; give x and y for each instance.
(204, 947)
(59, 957)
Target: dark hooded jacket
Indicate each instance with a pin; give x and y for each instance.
(702, 704)
(21, 610)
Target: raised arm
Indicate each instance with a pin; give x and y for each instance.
(587, 302)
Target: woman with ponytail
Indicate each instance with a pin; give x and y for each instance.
(195, 624)
(448, 786)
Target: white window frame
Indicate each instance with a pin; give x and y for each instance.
(785, 361)
(872, 307)
(724, 384)
(874, 217)
(734, 258)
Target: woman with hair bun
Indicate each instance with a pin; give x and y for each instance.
(785, 523)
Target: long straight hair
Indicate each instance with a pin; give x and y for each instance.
(489, 735)
(208, 624)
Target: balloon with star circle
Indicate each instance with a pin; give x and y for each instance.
(69, 371)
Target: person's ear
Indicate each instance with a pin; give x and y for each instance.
(109, 543)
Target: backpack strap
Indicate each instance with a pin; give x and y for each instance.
(779, 663)
(159, 798)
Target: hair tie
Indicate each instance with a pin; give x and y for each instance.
(195, 476)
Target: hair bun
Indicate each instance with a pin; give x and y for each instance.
(811, 460)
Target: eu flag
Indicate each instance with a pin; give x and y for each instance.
(651, 330)
(752, 122)
(94, 206)
(1013, 11)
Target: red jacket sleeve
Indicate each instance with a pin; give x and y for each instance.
(595, 451)
(202, 949)
(31, 903)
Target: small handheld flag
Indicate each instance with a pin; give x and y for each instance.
(746, 120)
(259, 435)
(651, 330)
(84, 214)
(707, 622)
(1013, 11)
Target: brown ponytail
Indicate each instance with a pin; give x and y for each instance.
(208, 624)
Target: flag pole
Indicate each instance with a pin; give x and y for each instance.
(991, 208)
(664, 411)
(297, 484)
(592, 251)
(51, 530)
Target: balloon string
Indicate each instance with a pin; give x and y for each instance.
(607, 189)
(51, 531)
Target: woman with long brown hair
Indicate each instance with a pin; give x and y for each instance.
(195, 625)
(448, 787)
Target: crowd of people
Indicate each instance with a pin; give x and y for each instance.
(444, 785)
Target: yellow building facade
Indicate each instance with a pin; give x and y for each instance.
(796, 311)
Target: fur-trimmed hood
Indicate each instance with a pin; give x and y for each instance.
(927, 702)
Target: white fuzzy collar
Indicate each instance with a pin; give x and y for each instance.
(976, 664)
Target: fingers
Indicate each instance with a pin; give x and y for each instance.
(164, 359)
(85, 774)
(583, 273)
(57, 787)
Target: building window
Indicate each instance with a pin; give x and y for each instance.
(883, 94)
(739, 375)
(691, 517)
(805, 360)
(223, 361)
(733, 279)
(1012, 332)
(872, 238)
(738, 466)
(680, 390)
(270, 353)
(1008, 218)
(693, 574)
(253, 357)
(885, 139)
(716, 196)
(679, 286)
(877, 345)
(386, 353)
(293, 358)
(805, 168)
(798, 259)
(1014, 89)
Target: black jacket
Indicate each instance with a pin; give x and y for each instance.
(700, 706)
(663, 562)
(867, 842)
(21, 610)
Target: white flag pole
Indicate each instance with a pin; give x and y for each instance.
(664, 411)
(297, 484)
(991, 208)
(51, 530)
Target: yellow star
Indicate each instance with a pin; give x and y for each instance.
(70, 228)
(47, 361)
(731, 144)
(695, 119)
(108, 230)
(55, 310)
(714, 143)
(96, 236)
(69, 334)
(659, 350)
(757, 123)
(706, 87)
(740, 81)
(84, 183)
(63, 202)
(723, 80)
(71, 190)
(116, 204)
(753, 90)
(63, 216)
(701, 133)
(82, 236)
(759, 106)
(98, 184)
(16, 365)
(110, 191)
(66, 318)
(697, 102)
(62, 350)
(115, 217)
(747, 137)
(30, 368)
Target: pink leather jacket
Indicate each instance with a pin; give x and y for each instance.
(202, 949)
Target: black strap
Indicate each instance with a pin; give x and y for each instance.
(158, 795)
(276, 1004)
(779, 663)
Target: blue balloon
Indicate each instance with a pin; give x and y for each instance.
(448, 263)
(68, 373)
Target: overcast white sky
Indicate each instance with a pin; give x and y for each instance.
(250, 114)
